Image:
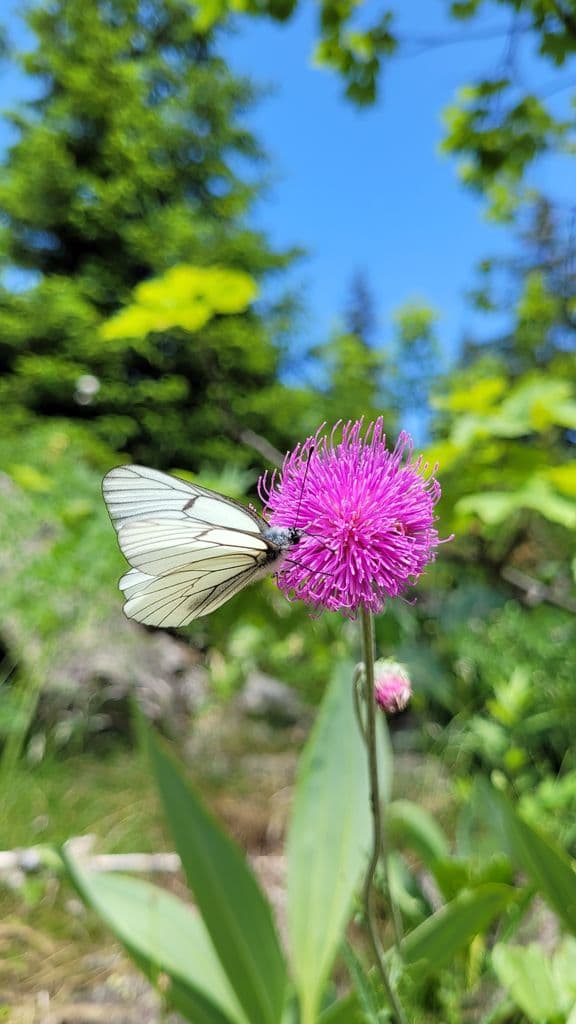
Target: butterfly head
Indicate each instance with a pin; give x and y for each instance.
(283, 537)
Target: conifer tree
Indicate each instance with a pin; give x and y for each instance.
(530, 294)
(132, 158)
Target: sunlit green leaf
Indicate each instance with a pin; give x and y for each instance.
(545, 863)
(185, 297)
(525, 973)
(410, 824)
(564, 972)
(30, 478)
(165, 937)
(437, 940)
(329, 839)
(235, 912)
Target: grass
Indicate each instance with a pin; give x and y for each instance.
(114, 799)
(48, 942)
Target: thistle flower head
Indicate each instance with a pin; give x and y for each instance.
(366, 515)
(392, 686)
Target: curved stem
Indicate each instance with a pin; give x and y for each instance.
(357, 685)
(370, 736)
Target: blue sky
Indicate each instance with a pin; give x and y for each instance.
(363, 189)
(366, 189)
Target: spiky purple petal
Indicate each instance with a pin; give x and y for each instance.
(367, 516)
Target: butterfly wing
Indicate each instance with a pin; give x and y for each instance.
(190, 549)
(179, 597)
(137, 492)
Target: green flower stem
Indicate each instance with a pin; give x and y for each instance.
(367, 623)
(357, 687)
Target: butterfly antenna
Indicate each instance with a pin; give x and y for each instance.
(302, 492)
(310, 454)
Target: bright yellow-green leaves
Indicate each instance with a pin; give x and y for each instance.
(563, 478)
(534, 405)
(186, 297)
(496, 458)
(479, 397)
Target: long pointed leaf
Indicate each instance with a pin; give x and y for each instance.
(408, 823)
(163, 936)
(364, 990)
(438, 939)
(545, 863)
(329, 838)
(235, 911)
(345, 1011)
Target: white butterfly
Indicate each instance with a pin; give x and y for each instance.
(191, 549)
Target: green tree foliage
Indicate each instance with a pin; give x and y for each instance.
(416, 362)
(499, 124)
(352, 367)
(360, 373)
(126, 164)
(4, 45)
(186, 297)
(532, 293)
(505, 424)
(345, 43)
(507, 416)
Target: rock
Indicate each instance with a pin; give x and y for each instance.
(106, 664)
(265, 697)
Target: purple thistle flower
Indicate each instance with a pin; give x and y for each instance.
(392, 686)
(367, 516)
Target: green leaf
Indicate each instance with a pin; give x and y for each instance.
(545, 863)
(185, 296)
(366, 995)
(525, 974)
(537, 494)
(329, 839)
(235, 911)
(411, 825)
(452, 875)
(478, 397)
(405, 890)
(437, 940)
(562, 477)
(30, 478)
(344, 1011)
(163, 936)
(564, 972)
(540, 402)
(492, 508)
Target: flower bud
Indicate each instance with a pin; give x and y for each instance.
(392, 686)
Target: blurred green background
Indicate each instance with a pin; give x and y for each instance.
(146, 315)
